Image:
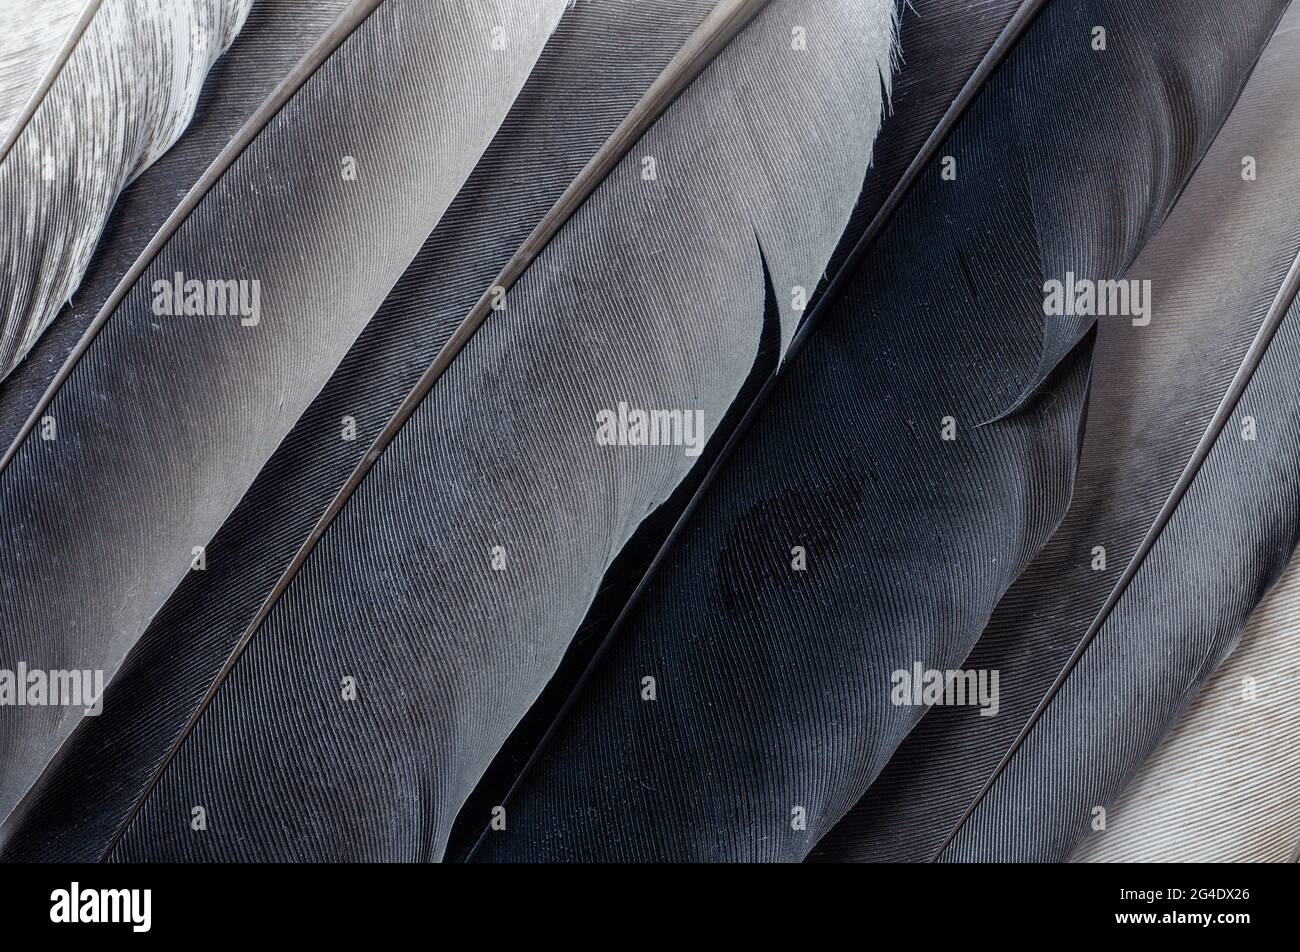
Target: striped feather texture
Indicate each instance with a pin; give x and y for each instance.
(1214, 269)
(501, 453)
(324, 325)
(558, 123)
(127, 464)
(122, 97)
(1186, 605)
(1224, 785)
(772, 710)
(1133, 681)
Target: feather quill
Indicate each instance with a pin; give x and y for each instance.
(189, 641)
(772, 675)
(1129, 682)
(1214, 272)
(128, 464)
(502, 449)
(947, 48)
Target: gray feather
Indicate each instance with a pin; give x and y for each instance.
(774, 708)
(275, 37)
(1214, 269)
(34, 35)
(558, 126)
(165, 420)
(654, 294)
(1224, 784)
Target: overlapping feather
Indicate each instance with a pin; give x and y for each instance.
(1224, 784)
(1214, 272)
(1131, 682)
(946, 51)
(501, 454)
(31, 42)
(559, 123)
(362, 582)
(773, 707)
(277, 34)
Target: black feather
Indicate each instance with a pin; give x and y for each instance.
(776, 698)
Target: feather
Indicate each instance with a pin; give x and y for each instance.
(128, 467)
(771, 675)
(34, 44)
(558, 124)
(122, 96)
(501, 453)
(1214, 272)
(275, 37)
(946, 49)
(1224, 785)
(1070, 762)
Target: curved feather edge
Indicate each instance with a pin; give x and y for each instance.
(727, 19)
(1220, 488)
(1221, 785)
(1181, 546)
(881, 198)
(558, 121)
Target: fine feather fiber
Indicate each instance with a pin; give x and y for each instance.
(1131, 683)
(1224, 785)
(276, 36)
(501, 454)
(1214, 271)
(326, 325)
(557, 124)
(32, 34)
(123, 96)
(128, 464)
(773, 706)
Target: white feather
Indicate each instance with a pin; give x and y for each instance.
(32, 34)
